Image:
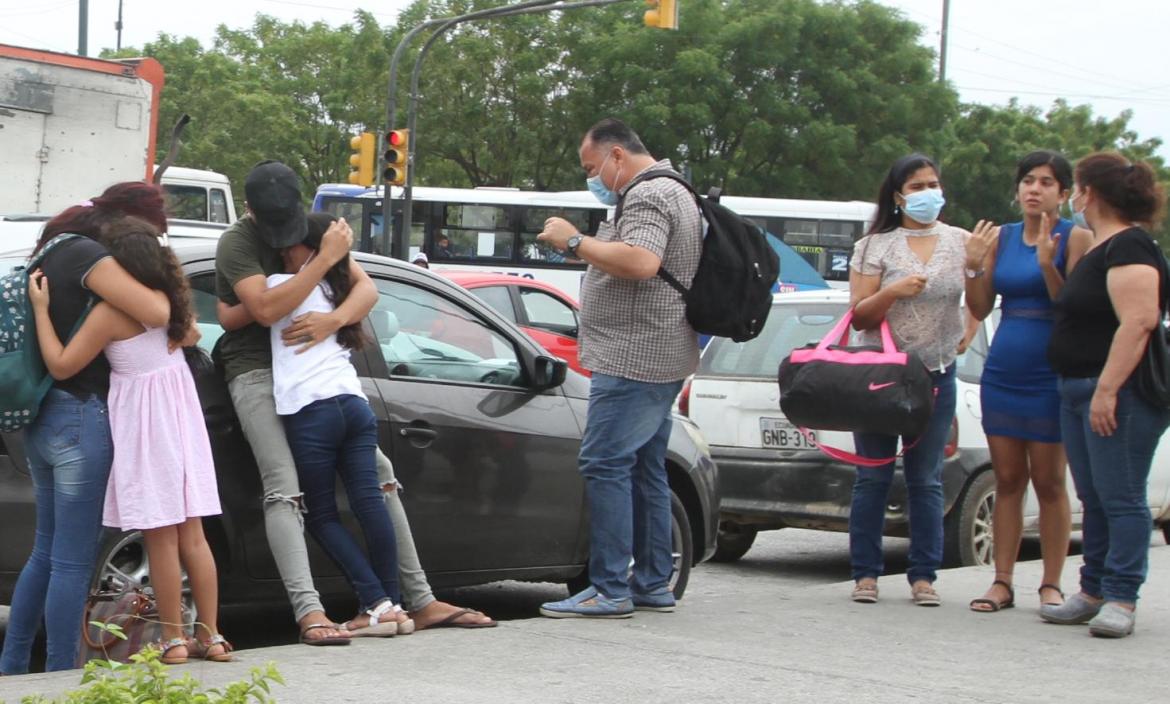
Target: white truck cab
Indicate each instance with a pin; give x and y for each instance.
(195, 194)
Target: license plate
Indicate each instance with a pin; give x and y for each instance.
(779, 433)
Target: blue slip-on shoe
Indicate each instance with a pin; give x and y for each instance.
(661, 600)
(588, 604)
(1112, 621)
(1074, 611)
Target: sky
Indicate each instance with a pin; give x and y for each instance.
(1110, 55)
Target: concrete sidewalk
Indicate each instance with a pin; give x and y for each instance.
(740, 641)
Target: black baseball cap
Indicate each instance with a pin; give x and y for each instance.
(273, 193)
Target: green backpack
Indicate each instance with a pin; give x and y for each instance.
(24, 380)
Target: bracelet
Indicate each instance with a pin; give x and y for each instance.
(974, 273)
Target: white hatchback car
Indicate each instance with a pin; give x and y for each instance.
(770, 476)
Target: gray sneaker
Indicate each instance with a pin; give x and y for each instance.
(1075, 610)
(1112, 621)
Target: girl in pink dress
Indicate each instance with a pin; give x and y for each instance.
(163, 479)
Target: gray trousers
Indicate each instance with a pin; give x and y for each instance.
(283, 521)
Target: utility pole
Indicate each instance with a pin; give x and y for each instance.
(942, 52)
(83, 28)
(118, 26)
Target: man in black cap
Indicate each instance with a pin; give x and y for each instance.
(248, 252)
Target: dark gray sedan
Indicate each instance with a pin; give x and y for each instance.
(483, 427)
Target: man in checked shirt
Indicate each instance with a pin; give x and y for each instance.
(635, 339)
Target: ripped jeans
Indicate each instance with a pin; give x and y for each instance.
(283, 521)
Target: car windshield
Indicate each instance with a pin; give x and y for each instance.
(790, 325)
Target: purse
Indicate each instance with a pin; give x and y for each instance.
(1152, 377)
(863, 389)
(133, 610)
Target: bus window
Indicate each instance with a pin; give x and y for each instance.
(349, 210)
(532, 250)
(479, 231)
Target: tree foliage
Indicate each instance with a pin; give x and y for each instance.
(774, 98)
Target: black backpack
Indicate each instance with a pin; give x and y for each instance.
(731, 294)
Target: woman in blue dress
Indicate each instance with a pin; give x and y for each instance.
(1025, 264)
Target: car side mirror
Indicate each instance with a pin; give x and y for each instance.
(548, 372)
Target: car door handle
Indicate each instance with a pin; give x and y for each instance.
(420, 433)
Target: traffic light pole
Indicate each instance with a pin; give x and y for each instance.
(400, 245)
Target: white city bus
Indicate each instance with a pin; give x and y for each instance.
(495, 229)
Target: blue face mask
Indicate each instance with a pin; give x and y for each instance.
(1078, 216)
(599, 190)
(924, 206)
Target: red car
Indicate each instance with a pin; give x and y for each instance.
(546, 313)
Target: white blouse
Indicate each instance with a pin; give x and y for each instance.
(929, 324)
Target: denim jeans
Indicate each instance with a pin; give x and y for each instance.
(623, 461)
(1110, 475)
(69, 454)
(339, 436)
(922, 468)
(256, 408)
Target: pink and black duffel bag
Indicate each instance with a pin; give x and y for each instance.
(865, 389)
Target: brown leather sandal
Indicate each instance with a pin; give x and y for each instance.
(1054, 588)
(993, 605)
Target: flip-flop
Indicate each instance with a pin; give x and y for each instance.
(453, 621)
(332, 640)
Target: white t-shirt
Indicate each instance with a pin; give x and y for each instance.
(320, 372)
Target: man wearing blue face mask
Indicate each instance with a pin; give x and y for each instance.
(635, 339)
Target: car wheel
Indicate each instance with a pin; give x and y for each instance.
(123, 564)
(682, 553)
(968, 536)
(733, 541)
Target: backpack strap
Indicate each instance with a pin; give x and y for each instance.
(647, 176)
(37, 258)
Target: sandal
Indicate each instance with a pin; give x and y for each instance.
(375, 627)
(865, 593)
(168, 647)
(991, 604)
(205, 646)
(330, 640)
(925, 595)
(1054, 588)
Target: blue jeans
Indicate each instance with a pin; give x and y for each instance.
(339, 436)
(1110, 476)
(922, 467)
(623, 461)
(69, 454)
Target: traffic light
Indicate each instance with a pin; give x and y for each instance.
(361, 162)
(662, 14)
(395, 158)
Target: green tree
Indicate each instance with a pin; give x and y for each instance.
(979, 155)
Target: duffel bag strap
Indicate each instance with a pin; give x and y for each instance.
(852, 457)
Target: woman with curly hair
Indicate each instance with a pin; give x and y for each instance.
(162, 480)
(69, 447)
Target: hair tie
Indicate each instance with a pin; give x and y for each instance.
(86, 203)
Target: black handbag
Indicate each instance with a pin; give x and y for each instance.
(1152, 377)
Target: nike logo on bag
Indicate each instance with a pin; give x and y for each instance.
(877, 387)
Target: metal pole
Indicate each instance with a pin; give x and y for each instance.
(400, 242)
(118, 26)
(534, 6)
(82, 27)
(942, 53)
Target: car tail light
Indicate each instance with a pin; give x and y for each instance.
(952, 446)
(684, 399)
